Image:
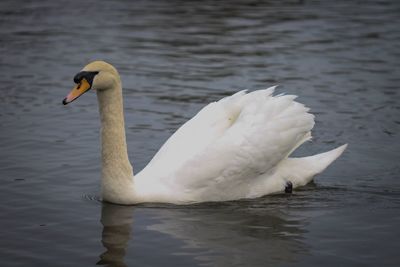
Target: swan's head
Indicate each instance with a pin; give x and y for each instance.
(97, 75)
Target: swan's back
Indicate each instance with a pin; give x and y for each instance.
(235, 148)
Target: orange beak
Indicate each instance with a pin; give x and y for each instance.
(77, 91)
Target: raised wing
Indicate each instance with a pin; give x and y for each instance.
(197, 134)
(229, 143)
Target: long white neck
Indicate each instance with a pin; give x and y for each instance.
(117, 173)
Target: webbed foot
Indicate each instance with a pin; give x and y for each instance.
(288, 187)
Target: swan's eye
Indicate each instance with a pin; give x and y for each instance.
(88, 75)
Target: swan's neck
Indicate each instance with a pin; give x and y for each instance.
(117, 173)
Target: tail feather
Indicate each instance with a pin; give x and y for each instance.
(300, 171)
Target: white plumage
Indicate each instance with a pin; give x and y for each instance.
(235, 148)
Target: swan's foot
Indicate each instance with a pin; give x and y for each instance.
(288, 187)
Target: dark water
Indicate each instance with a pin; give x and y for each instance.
(342, 58)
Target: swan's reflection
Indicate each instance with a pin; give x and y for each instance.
(117, 224)
(221, 234)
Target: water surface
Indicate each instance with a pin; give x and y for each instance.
(342, 59)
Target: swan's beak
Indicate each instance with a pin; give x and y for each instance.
(82, 87)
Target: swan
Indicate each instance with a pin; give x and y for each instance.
(235, 148)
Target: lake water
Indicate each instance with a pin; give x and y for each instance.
(341, 57)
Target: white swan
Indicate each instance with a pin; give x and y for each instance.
(234, 148)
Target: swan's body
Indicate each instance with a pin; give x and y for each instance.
(235, 148)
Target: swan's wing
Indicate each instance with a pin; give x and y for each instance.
(193, 137)
(230, 143)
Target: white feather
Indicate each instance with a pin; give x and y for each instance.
(235, 148)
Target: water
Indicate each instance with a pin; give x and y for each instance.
(342, 59)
